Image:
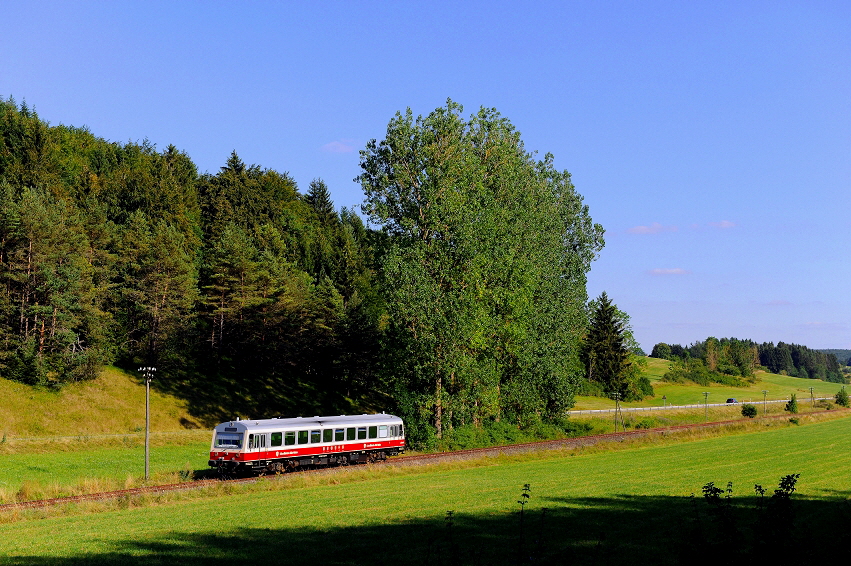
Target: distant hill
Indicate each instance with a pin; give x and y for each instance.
(841, 355)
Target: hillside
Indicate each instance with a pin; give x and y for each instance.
(112, 403)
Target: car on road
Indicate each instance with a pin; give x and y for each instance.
(731, 400)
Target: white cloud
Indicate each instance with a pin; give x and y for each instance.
(338, 146)
(723, 224)
(669, 271)
(654, 228)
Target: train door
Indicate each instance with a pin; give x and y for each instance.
(256, 442)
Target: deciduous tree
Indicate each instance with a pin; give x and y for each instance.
(483, 269)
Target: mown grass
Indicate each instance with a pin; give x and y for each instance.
(114, 402)
(778, 387)
(604, 506)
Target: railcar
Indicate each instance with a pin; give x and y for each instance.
(242, 447)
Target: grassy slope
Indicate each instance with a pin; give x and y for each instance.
(778, 387)
(112, 403)
(638, 496)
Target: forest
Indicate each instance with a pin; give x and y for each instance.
(727, 359)
(464, 304)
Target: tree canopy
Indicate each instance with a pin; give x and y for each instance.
(483, 269)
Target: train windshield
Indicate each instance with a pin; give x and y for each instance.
(228, 440)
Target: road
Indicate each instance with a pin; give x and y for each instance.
(695, 406)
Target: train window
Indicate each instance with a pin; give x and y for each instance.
(350, 433)
(373, 432)
(339, 435)
(224, 440)
(277, 437)
(382, 431)
(289, 438)
(361, 433)
(315, 436)
(262, 439)
(250, 441)
(328, 435)
(302, 437)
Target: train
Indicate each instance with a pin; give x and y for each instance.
(278, 445)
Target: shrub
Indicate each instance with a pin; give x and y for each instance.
(645, 386)
(749, 411)
(794, 421)
(842, 398)
(647, 422)
(590, 388)
(792, 405)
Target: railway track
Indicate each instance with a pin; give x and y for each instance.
(412, 460)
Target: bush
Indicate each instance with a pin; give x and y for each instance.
(749, 411)
(794, 421)
(842, 398)
(792, 405)
(590, 388)
(645, 386)
(647, 422)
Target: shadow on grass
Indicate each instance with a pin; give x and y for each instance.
(594, 531)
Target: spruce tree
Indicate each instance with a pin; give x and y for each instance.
(319, 199)
(604, 350)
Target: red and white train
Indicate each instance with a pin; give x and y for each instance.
(281, 445)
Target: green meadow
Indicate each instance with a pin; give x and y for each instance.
(602, 505)
(778, 387)
(26, 476)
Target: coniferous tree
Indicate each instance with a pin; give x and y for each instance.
(319, 199)
(604, 350)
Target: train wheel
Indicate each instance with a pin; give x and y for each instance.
(224, 472)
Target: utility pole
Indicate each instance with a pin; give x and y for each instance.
(148, 373)
(618, 410)
(706, 406)
(812, 398)
(764, 393)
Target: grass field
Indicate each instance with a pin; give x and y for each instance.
(604, 507)
(778, 387)
(45, 475)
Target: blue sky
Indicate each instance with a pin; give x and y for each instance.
(712, 140)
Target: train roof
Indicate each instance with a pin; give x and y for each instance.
(306, 422)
